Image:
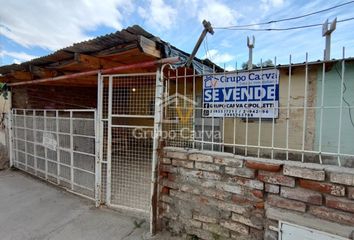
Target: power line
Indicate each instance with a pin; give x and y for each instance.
(283, 29)
(286, 19)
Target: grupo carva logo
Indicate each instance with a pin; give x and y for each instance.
(210, 81)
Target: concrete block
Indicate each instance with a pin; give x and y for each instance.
(181, 163)
(176, 155)
(341, 178)
(227, 161)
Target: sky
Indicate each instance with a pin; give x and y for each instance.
(34, 28)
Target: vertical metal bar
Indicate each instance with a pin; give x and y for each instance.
(273, 119)
(71, 151)
(246, 134)
(58, 149)
(45, 149)
(288, 111)
(194, 108)
(305, 111)
(213, 119)
(203, 120)
(321, 111)
(341, 109)
(156, 147)
(35, 142)
(109, 142)
(260, 116)
(235, 116)
(25, 140)
(10, 129)
(223, 122)
(99, 141)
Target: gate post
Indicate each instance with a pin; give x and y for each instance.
(10, 141)
(155, 154)
(98, 142)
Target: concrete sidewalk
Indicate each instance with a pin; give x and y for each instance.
(33, 209)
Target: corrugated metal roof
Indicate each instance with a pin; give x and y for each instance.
(125, 36)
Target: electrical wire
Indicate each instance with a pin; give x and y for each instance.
(283, 29)
(344, 100)
(286, 19)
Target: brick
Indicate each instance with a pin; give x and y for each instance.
(168, 168)
(181, 163)
(332, 215)
(166, 160)
(200, 233)
(272, 188)
(341, 178)
(171, 177)
(169, 184)
(279, 202)
(270, 167)
(205, 219)
(232, 207)
(270, 235)
(227, 161)
(351, 192)
(215, 193)
(165, 190)
(340, 203)
(176, 155)
(324, 187)
(191, 222)
(276, 178)
(207, 167)
(252, 221)
(302, 172)
(216, 228)
(190, 189)
(242, 172)
(302, 195)
(247, 182)
(166, 199)
(199, 174)
(198, 157)
(235, 226)
(230, 188)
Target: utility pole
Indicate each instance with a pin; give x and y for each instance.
(207, 29)
(327, 32)
(250, 46)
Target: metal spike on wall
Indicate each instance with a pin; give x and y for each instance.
(327, 32)
(250, 46)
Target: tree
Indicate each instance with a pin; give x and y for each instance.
(265, 64)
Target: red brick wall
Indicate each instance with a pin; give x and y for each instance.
(221, 196)
(54, 97)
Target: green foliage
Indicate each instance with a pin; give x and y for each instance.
(3, 90)
(265, 64)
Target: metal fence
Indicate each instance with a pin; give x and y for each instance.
(58, 146)
(312, 120)
(126, 108)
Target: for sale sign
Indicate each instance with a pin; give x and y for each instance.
(251, 94)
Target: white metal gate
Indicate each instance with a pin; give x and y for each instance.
(58, 146)
(127, 128)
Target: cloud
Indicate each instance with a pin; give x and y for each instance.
(218, 13)
(159, 14)
(219, 58)
(18, 56)
(266, 5)
(56, 24)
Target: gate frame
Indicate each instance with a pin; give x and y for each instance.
(157, 127)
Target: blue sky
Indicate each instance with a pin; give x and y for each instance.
(30, 29)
